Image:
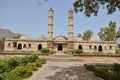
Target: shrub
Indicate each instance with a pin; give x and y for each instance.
(89, 67)
(78, 51)
(29, 59)
(52, 52)
(44, 50)
(31, 67)
(118, 51)
(9, 76)
(22, 71)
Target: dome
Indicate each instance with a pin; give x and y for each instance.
(78, 39)
(24, 37)
(60, 38)
(42, 38)
(94, 39)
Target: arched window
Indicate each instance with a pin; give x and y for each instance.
(95, 47)
(39, 46)
(24, 46)
(90, 47)
(80, 47)
(9, 44)
(110, 47)
(100, 48)
(19, 46)
(60, 47)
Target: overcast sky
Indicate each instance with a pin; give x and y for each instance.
(30, 18)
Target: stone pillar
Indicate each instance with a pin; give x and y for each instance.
(50, 24)
(70, 43)
(70, 25)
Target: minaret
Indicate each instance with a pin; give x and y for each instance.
(50, 24)
(70, 25)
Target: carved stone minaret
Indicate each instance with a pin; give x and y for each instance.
(70, 25)
(70, 43)
(50, 24)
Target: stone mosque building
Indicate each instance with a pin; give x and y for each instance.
(59, 43)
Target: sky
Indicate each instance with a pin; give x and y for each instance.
(31, 18)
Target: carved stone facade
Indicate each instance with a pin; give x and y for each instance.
(59, 43)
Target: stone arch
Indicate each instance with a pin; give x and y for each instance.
(100, 48)
(24, 46)
(19, 46)
(95, 47)
(80, 47)
(60, 47)
(39, 46)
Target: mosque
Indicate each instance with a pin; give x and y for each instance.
(59, 43)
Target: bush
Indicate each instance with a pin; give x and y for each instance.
(18, 68)
(31, 67)
(118, 51)
(52, 52)
(9, 76)
(74, 51)
(22, 71)
(42, 61)
(44, 50)
(106, 73)
(78, 51)
(29, 59)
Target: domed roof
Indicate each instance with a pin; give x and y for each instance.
(60, 38)
(78, 39)
(94, 39)
(24, 37)
(42, 38)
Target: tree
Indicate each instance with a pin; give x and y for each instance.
(108, 33)
(17, 36)
(118, 33)
(92, 6)
(79, 35)
(87, 35)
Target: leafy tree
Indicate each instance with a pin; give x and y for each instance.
(17, 36)
(118, 33)
(87, 35)
(108, 33)
(79, 35)
(92, 6)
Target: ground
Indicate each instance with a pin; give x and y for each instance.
(65, 67)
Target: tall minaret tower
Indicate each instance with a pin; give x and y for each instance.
(70, 25)
(50, 24)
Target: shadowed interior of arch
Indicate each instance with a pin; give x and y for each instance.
(60, 47)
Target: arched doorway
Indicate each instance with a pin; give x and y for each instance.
(80, 47)
(100, 48)
(39, 46)
(60, 48)
(19, 46)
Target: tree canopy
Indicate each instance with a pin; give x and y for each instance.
(90, 7)
(108, 33)
(87, 35)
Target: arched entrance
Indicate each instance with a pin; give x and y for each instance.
(100, 48)
(19, 46)
(80, 47)
(60, 48)
(39, 46)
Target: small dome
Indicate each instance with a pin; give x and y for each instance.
(94, 39)
(78, 39)
(60, 38)
(42, 38)
(24, 37)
